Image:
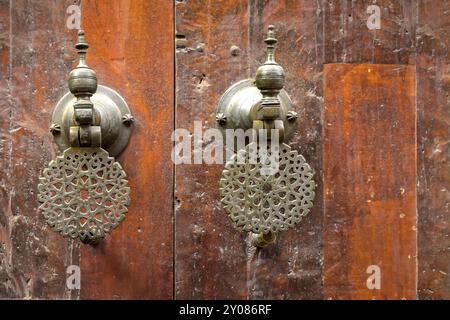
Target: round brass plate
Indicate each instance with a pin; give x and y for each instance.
(83, 194)
(109, 108)
(239, 105)
(260, 202)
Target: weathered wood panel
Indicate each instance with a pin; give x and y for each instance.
(348, 39)
(433, 103)
(7, 287)
(292, 269)
(132, 51)
(34, 259)
(210, 256)
(369, 180)
(219, 43)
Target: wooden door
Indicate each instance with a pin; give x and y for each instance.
(373, 123)
(128, 40)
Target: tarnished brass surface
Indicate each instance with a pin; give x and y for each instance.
(88, 106)
(266, 187)
(263, 239)
(84, 194)
(112, 117)
(239, 106)
(267, 203)
(262, 98)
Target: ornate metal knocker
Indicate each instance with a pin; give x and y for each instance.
(84, 192)
(266, 187)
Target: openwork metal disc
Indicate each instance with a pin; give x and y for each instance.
(261, 197)
(84, 194)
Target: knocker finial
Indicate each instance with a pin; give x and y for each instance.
(82, 79)
(271, 42)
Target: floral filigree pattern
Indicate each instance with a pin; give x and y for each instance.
(267, 191)
(84, 194)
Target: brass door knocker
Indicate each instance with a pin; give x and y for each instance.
(84, 192)
(266, 187)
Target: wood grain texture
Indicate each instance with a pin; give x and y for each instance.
(7, 289)
(369, 180)
(34, 70)
(210, 256)
(347, 38)
(433, 103)
(218, 44)
(132, 51)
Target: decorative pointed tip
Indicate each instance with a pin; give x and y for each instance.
(269, 77)
(82, 79)
(271, 40)
(81, 45)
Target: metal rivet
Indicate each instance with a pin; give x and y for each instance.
(127, 119)
(235, 50)
(55, 128)
(292, 115)
(221, 119)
